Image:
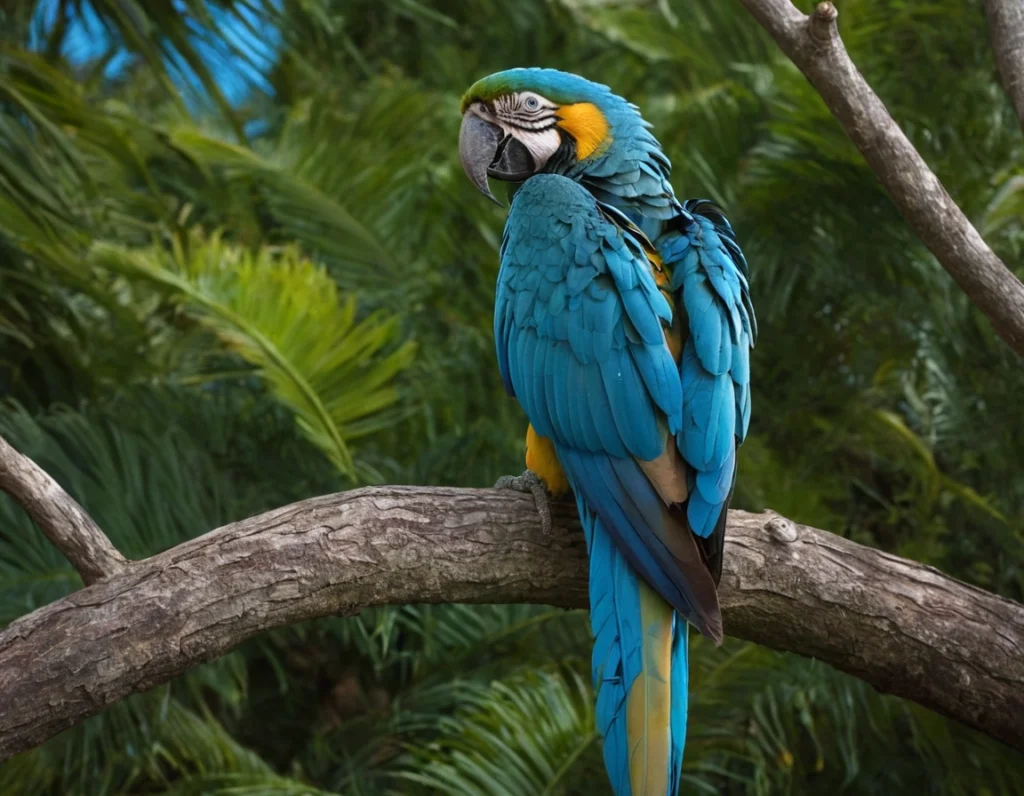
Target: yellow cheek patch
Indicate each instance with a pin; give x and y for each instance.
(584, 122)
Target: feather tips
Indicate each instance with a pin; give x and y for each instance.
(652, 537)
(710, 273)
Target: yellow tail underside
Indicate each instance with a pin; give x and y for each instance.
(649, 703)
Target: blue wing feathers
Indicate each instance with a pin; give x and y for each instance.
(638, 307)
(661, 378)
(603, 413)
(710, 494)
(604, 281)
(633, 514)
(709, 414)
(580, 332)
(710, 273)
(502, 331)
(543, 400)
(714, 485)
(555, 387)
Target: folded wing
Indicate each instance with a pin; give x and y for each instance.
(580, 331)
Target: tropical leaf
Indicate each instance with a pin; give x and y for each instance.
(242, 785)
(1005, 208)
(282, 314)
(150, 739)
(313, 216)
(526, 735)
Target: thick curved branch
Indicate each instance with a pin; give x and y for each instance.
(813, 44)
(1006, 28)
(65, 523)
(905, 628)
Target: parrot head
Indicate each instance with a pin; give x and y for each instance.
(522, 122)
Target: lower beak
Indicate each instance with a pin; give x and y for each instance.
(486, 151)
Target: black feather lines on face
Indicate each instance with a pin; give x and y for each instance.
(565, 156)
(511, 109)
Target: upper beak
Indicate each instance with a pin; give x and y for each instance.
(478, 145)
(485, 151)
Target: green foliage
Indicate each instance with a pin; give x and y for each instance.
(281, 313)
(174, 379)
(523, 736)
(304, 211)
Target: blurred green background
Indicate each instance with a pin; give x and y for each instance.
(240, 266)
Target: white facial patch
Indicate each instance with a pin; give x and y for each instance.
(542, 144)
(531, 119)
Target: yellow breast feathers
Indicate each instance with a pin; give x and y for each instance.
(542, 459)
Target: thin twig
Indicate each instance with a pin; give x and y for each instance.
(813, 44)
(65, 523)
(1006, 28)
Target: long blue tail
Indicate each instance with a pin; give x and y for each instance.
(639, 670)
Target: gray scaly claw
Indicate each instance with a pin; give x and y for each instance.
(528, 482)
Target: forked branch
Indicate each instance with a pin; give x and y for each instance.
(813, 44)
(65, 523)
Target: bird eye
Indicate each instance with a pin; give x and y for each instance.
(532, 103)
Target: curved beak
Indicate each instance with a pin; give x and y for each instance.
(478, 146)
(486, 151)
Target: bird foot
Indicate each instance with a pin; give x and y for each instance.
(530, 483)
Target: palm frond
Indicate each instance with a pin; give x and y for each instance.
(526, 735)
(282, 314)
(312, 215)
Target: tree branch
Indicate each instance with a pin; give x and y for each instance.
(813, 44)
(58, 515)
(1006, 27)
(905, 628)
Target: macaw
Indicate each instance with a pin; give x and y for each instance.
(623, 326)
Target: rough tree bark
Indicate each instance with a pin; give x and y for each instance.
(1006, 28)
(66, 524)
(813, 44)
(903, 627)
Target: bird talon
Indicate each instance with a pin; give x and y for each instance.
(530, 483)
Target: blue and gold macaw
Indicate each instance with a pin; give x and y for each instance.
(623, 326)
